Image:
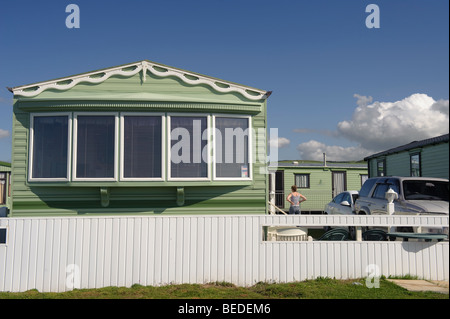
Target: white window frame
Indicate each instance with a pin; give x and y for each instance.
(122, 146)
(69, 147)
(75, 146)
(249, 151)
(169, 145)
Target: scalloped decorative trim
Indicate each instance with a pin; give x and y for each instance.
(134, 68)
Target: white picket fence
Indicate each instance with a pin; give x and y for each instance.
(61, 253)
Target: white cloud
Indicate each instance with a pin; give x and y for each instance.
(383, 125)
(313, 150)
(380, 126)
(441, 106)
(279, 142)
(362, 100)
(3, 133)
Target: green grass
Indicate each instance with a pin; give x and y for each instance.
(321, 288)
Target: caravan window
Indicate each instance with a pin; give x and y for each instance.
(142, 146)
(95, 146)
(232, 147)
(187, 144)
(49, 150)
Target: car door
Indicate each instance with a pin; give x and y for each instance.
(333, 206)
(344, 209)
(378, 202)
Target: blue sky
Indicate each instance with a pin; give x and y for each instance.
(338, 86)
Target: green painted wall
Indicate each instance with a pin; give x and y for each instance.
(131, 94)
(398, 164)
(320, 191)
(434, 162)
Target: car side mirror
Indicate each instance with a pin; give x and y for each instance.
(345, 203)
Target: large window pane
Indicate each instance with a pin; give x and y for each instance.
(381, 168)
(95, 146)
(232, 147)
(426, 190)
(415, 165)
(50, 138)
(142, 146)
(187, 145)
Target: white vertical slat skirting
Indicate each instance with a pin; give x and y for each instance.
(45, 253)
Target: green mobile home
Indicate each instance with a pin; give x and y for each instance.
(428, 158)
(5, 187)
(318, 181)
(140, 138)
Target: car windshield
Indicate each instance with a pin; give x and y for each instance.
(425, 190)
(338, 198)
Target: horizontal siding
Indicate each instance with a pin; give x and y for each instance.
(43, 253)
(320, 192)
(372, 167)
(19, 153)
(398, 164)
(125, 198)
(354, 179)
(435, 161)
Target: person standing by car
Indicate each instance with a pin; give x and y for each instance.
(295, 198)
